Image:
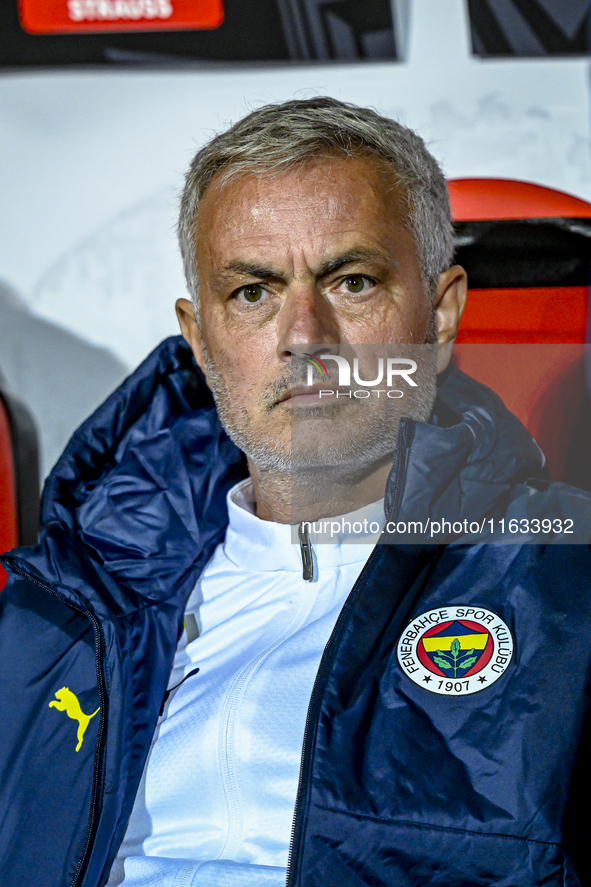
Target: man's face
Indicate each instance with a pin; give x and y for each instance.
(315, 258)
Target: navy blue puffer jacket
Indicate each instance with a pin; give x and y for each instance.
(400, 785)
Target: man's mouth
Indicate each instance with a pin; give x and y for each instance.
(307, 394)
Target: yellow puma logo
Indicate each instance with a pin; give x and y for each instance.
(67, 701)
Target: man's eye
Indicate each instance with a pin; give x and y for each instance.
(251, 293)
(357, 283)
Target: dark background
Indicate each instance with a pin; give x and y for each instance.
(252, 31)
(530, 27)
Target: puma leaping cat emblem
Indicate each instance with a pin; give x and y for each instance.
(67, 701)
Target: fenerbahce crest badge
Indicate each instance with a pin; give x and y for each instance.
(455, 651)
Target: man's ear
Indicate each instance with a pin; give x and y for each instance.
(190, 331)
(452, 291)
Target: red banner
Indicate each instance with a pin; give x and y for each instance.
(83, 16)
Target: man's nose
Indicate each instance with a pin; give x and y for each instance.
(306, 318)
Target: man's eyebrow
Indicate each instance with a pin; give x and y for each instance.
(250, 269)
(352, 256)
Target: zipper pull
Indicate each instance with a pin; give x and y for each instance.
(172, 689)
(306, 552)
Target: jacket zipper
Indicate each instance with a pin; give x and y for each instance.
(406, 435)
(97, 770)
(405, 438)
(306, 552)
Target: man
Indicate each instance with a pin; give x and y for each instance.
(180, 678)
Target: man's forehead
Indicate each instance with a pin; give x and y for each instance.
(327, 180)
(355, 194)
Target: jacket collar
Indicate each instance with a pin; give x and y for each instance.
(461, 463)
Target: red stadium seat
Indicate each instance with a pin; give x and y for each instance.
(19, 476)
(8, 514)
(527, 250)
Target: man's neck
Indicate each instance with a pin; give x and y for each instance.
(292, 498)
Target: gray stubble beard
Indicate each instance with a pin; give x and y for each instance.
(348, 461)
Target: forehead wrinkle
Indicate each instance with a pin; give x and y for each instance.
(317, 186)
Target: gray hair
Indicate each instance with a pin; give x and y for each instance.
(280, 137)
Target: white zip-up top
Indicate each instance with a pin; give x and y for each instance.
(216, 801)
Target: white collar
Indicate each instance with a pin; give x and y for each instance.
(267, 546)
